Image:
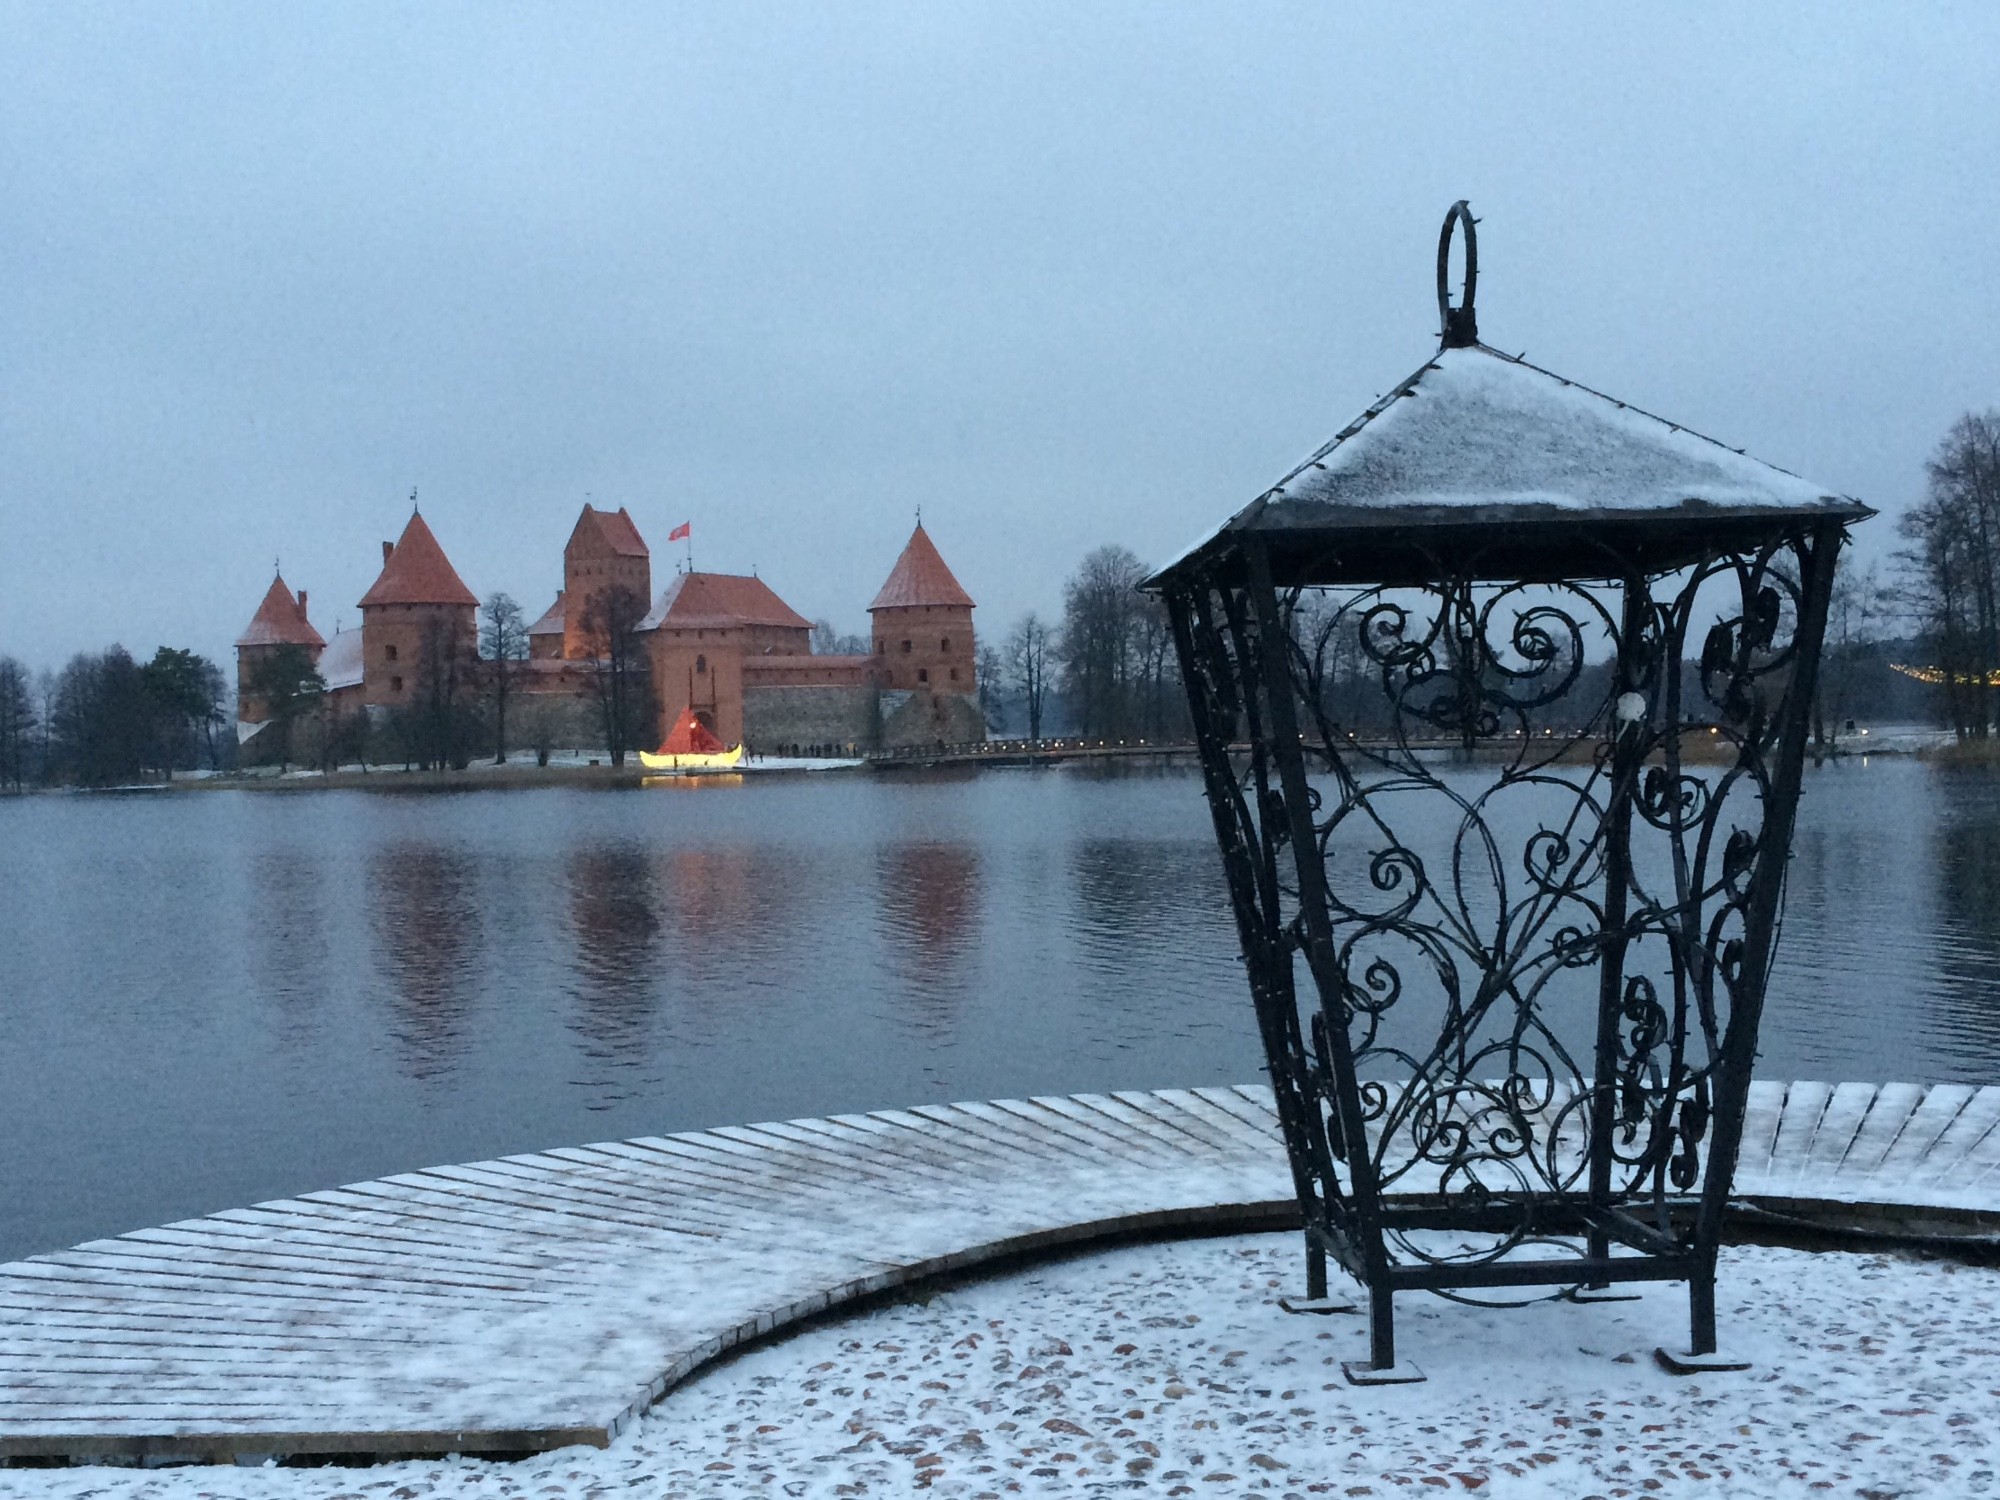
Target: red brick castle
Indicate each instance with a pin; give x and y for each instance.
(722, 644)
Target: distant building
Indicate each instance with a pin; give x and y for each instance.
(924, 657)
(280, 621)
(605, 552)
(418, 620)
(722, 644)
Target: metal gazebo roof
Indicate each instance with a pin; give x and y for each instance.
(1483, 465)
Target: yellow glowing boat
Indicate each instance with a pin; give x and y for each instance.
(713, 760)
(691, 746)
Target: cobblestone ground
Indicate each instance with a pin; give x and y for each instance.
(1169, 1370)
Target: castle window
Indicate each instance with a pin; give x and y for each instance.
(954, 674)
(923, 674)
(701, 665)
(906, 648)
(881, 648)
(945, 644)
(388, 653)
(395, 684)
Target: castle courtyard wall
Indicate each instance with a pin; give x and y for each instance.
(822, 715)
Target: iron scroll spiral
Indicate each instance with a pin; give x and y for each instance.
(1459, 328)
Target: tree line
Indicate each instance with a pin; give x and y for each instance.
(1947, 575)
(106, 718)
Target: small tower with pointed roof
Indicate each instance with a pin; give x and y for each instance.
(280, 621)
(923, 624)
(605, 552)
(419, 617)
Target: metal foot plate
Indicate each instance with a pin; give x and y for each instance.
(1318, 1305)
(1360, 1372)
(1680, 1362)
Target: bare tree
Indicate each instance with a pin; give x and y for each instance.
(1099, 656)
(17, 722)
(619, 677)
(1029, 648)
(503, 641)
(1853, 624)
(442, 724)
(986, 669)
(1950, 569)
(826, 641)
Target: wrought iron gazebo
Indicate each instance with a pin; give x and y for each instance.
(1502, 700)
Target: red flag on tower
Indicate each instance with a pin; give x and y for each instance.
(684, 530)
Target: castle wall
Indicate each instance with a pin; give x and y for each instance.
(703, 670)
(393, 639)
(925, 718)
(838, 716)
(927, 647)
(589, 573)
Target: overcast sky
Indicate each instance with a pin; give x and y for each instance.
(1060, 275)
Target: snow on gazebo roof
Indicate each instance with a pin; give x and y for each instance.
(1477, 440)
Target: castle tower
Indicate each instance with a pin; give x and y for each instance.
(699, 636)
(923, 625)
(605, 551)
(417, 619)
(280, 621)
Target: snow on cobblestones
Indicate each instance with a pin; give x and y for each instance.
(1168, 1370)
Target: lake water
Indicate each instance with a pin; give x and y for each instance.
(214, 998)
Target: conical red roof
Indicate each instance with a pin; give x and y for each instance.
(418, 572)
(280, 621)
(690, 736)
(920, 577)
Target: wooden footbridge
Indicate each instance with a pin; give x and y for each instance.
(540, 1300)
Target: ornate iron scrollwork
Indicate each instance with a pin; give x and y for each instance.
(1506, 860)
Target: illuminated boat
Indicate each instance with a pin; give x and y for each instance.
(690, 746)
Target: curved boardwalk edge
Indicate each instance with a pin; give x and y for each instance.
(546, 1299)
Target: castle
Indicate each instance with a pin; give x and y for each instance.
(721, 644)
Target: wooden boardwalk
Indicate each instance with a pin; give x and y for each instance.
(546, 1299)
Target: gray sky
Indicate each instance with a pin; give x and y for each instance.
(1060, 275)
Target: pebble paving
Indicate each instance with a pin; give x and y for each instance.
(1168, 1369)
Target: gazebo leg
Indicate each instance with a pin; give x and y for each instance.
(1701, 1311)
(1701, 1357)
(1315, 1271)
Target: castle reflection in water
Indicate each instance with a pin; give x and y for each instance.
(218, 998)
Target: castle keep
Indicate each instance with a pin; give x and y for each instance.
(722, 644)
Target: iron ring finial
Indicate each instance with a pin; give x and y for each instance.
(1457, 327)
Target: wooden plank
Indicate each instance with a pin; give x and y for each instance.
(1941, 1105)
(1888, 1113)
(1946, 1160)
(1762, 1113)
(1839, 1126)
(1805, 1106)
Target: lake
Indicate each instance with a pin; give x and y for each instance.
(218, 997)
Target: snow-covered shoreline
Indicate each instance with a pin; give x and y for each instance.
(1169, 1369)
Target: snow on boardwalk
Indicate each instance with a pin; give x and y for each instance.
(547, 1299)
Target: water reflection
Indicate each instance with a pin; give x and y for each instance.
(928, 911)
(428, 947)
(615, 929)
(287, 923)
(1135, 895)
(1968, 960)
(298, 991)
